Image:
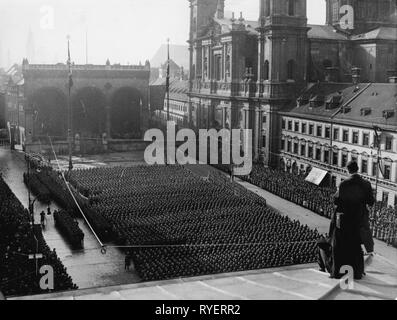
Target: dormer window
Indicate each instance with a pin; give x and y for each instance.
(333, 102)
(303, 99)
(317, 101)
(365, 112)
(387, 114)
(347, 109)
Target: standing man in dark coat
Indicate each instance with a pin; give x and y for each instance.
(348, 223)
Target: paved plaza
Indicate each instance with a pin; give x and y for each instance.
(103, 276)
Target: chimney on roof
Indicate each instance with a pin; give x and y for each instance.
(220, 9)
(356, 75)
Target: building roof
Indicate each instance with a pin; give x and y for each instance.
(382, 33)
(173, 65)
(178, 53)
(179, 90)
(226, 25)
(158, 82)
(364, 104)
(325, 32)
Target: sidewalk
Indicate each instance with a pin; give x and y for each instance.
(88, 267)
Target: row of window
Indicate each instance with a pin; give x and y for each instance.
(337, 134)
(315, 153)
(178, 107)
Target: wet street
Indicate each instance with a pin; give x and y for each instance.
(88, 267)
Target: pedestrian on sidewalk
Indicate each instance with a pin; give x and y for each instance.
(127, 262)
(42, 219)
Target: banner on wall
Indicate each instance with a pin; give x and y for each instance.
(316, 176)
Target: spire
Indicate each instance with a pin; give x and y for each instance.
(30, 47)
(220, 9)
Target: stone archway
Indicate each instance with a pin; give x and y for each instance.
(49, 113)
(125, 115)
(89, 112)
(295, 169)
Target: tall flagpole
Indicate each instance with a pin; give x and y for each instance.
(168, 80)
(168, 95)
(70, 83)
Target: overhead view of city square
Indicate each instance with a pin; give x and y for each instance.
(233, 150)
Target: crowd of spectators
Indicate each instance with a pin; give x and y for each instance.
(293, 188)
(178, 224)
(17, 241)
(319, 199)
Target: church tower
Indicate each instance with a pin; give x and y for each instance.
(282, 68)
(360, 16)
(283, 40)
(202, 11)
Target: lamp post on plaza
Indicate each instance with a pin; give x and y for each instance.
(70, 119)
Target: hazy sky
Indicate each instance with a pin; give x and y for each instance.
(125, 31)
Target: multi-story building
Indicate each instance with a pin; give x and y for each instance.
(279, 70)
(179, 103)
(2, 110)
(345, 122)
(244, 73)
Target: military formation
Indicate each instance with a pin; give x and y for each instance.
(175, 223)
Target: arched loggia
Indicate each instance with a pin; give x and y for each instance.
(125, 116)
(49, 113)
(89, 112)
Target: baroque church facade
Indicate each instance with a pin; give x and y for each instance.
(248, 74)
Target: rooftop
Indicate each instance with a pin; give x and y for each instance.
(178, 53)
(364, 104)
(325, 32)
(382, 33)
